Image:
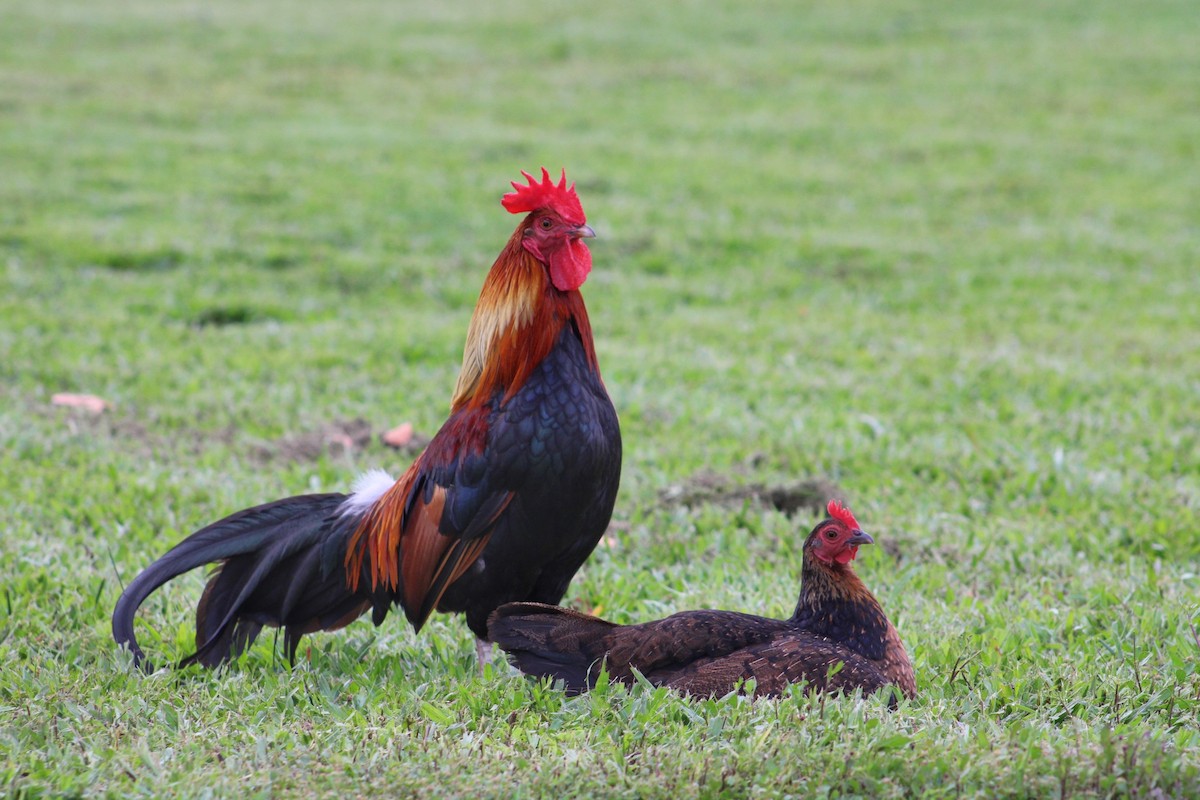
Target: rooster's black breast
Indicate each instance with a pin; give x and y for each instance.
(556, 446)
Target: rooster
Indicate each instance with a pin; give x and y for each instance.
(506, 502)
(838, 639)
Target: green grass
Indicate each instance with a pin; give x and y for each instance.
(946, 258)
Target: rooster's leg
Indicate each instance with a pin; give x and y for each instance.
(483, 652)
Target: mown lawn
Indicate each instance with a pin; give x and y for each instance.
(944, 258)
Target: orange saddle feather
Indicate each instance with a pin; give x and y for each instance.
(400, 541)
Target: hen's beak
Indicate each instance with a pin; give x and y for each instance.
(860, 537)
(582, 232)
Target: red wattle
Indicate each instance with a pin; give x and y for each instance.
(846, 556)
(570, 265)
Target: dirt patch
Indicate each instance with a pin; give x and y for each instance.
(711, 488)
(337, 439)
(410, 445)
(105, 424)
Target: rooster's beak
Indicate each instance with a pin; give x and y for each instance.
(859, 537)
(582, 232)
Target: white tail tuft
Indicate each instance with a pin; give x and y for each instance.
(367, 489)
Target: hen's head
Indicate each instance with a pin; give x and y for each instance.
(836, 539)
(555, 228)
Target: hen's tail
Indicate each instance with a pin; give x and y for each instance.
(552, 642)
(282, 566)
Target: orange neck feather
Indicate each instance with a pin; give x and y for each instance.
(515, 325)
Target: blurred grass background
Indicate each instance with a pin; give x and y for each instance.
(944, 256)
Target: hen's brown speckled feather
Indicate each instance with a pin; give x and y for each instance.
(698, 652)
(838, 640)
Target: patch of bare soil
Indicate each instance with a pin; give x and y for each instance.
(339, 438)
(405, 438)
(712, 488)
(99, 421)
(94, 417)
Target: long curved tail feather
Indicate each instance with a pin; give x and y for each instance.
(282, 565)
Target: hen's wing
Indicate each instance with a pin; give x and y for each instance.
(549, 641)
(822, 665)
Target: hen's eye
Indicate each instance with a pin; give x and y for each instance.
(831, 534)
(546, 223)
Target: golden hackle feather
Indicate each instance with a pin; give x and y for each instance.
(516, 324)
(510, 294)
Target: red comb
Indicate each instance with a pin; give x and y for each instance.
(558, 197)
(842, 515)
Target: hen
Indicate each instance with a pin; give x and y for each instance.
(837, 622)
(506, 502)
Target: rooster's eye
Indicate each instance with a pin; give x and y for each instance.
(546, 223)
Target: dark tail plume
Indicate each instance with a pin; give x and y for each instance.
(282, 566)
(552, 642)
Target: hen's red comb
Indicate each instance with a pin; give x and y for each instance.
(558, 197)
(842, 515)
